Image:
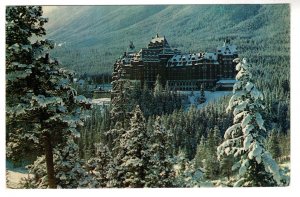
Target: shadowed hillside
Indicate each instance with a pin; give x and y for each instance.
(93, 37)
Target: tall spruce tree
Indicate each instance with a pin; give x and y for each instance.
(99, 165)
(273, 144)
(118, 96)
(206, 156)
(245, 138)
(119, 117)
(116, 171)
(158, 88)
(202, 98)
(211, 164)
(67, 165)
(187, 174)
(42, 107)
(201, 153)
(160, 172)
(135, 155)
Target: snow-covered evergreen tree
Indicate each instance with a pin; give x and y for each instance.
(158, 88)
(42, 107)
(99, 165)
(187, 174)
(273, 144)
(160, 172)
(67, 165)
(146, 98)
(202, 98)
(206, 156)
(70, 172)
(201, 153)
(211, 164)
(226, 164)
(245, 138)
(115, 173)
(134, 152)
(119, 117)
(118, 96)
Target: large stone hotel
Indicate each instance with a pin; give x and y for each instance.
(181, 71)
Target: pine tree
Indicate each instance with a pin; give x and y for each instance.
(70, 168)
(201, 153)
(225, 164)
(273, 144)
(119, 117)
(99, 165)
(180, 169)
(67, 165)
(135, 155)
(211, 164)
(42, 107)
(158, 97)
(160, 172)
(186, 173)
(146, 103)
(134, 95)
(158, 89)
(118, 96)
(202, 98)
(245, 138)
(206, 156)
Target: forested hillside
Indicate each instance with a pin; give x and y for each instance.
(93, 37)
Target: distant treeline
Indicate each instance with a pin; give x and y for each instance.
(97, 78)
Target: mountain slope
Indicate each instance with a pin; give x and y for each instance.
(95, 36)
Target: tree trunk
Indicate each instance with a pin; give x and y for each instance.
(49, 161)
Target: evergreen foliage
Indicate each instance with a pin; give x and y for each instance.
(42, 107)
(158, 89)
(158, 101)
(94, 130)
(187, 127)
(160, 172)
(99, 165)
(67, 165)
(273, 144)
(245, 138)
(206, 155)
(187, 174)
(202, 98)
(136, 157)
(118, 96)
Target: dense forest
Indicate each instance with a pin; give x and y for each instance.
(92, 37)
(146, 137)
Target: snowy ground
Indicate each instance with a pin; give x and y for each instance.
(14, 178)
(14, 175)
(224, 182)
(193, 97)
(286, 168)
(101, 101)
